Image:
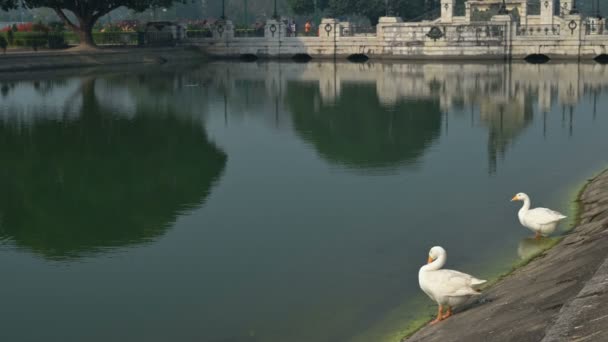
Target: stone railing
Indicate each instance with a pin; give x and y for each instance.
(357, 30)
(538, 30)
(594, 26)
(568, 36)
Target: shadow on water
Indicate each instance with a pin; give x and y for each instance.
(102, 179)
(357, 131)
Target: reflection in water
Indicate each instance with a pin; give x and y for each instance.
(97, 162)
(102, 178)
(530, 247)
(384, 115)
(505, 121)
(358, 131)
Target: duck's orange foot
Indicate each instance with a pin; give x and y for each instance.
(435, 321)
(447, 314)
(439, 315)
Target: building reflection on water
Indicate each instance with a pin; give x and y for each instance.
(321, 97)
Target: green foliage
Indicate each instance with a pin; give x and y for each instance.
(10, 36)
(30, 39)
(374, 9)
(36, 39)
(87, 12)
(410, 9)
(307, 6)
(92, 7)
(56, 26)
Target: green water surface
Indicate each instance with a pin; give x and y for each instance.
(274, 202)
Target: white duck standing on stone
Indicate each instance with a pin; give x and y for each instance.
(541, 221)
(446, 287)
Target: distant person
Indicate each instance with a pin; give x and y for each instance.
(293, 29)
(307, 27)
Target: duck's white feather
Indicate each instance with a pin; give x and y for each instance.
(540, 220)
(446, 287)
(543, 216)
(452, 283)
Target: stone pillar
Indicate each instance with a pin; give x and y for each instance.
(223, 30)
(564, 7)
(447, 11)
(386, 21)
(523, 11)
(572, 26)
(274, 30)
(546, 12)
(329, 28)
(507, 21)
(601, 25)
(595, 25)
(346, 29)
(467, 12)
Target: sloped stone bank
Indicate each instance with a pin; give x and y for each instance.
(562, 295)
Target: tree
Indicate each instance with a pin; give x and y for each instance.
(86, 12)
(306, 6)
(372, 9)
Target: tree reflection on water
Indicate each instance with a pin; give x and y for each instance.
(102, 179)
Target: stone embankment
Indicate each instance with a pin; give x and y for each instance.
(44, 60)
(562, 295)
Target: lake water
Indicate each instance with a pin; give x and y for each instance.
(274, 202)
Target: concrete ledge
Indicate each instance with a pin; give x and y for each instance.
(27, 61)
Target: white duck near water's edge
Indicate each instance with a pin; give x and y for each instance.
(541, 221)
(446, 287)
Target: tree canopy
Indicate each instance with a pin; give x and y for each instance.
(86, 12)
(371, 9)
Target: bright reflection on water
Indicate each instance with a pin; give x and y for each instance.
(274, 202)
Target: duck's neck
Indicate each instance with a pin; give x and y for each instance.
(526, 206)
(435, 265)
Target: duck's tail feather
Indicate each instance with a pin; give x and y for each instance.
(477, 282)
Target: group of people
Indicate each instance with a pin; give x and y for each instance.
(292, 28)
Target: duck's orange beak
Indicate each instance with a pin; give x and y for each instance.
(514, 198)
(430, 260)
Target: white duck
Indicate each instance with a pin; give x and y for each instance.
(542, 221)
(446, 287)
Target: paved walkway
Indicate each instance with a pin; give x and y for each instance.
(560, 296)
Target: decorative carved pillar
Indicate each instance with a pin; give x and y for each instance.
(447, 11)
(546, 12)
(565, 6)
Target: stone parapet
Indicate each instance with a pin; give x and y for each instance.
(274, 30)
(500, 38)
